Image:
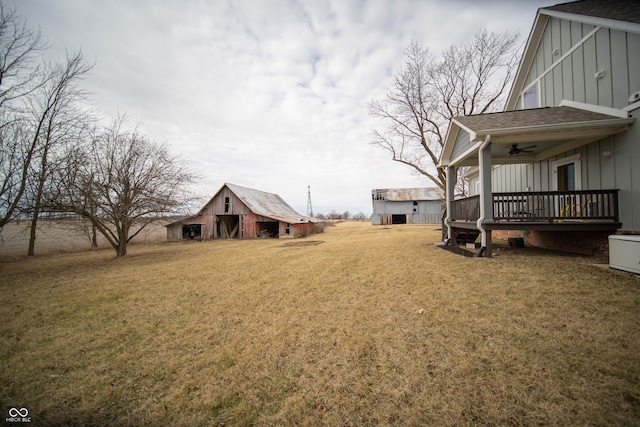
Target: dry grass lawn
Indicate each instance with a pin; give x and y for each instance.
(372, 326)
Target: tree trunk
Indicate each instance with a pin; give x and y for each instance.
(38, 200)
(121, 250)
(31, 251)
(94, 236)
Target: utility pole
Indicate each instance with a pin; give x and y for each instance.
(309, 208)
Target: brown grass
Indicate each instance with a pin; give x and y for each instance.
(370, 326)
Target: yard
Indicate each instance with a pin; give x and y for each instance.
(359, 325)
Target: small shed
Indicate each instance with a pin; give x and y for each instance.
(236, 212)
(407, 206)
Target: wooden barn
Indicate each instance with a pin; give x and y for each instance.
(236, 212)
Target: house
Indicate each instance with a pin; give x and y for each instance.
(407, 206)
(236, 212)
(559, 165)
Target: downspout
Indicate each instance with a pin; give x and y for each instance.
(481, 219)
(449, 197)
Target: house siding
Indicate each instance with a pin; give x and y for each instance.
(572, 78)
(463, 143)
(612, 51)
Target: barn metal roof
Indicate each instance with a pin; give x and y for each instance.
(268, 204)
(408, 194)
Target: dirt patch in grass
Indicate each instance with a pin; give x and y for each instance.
(302, 243)
(367, 328)
(455, 249)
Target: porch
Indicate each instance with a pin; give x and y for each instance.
(545, 136)
(584, 210)
(588, 207)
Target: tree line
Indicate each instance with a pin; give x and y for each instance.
(57, 157)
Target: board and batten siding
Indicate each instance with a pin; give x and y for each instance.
(571, 77)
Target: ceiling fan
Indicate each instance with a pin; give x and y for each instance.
(515, 150)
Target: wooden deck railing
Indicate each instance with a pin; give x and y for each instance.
(467, 209)
(551, 206)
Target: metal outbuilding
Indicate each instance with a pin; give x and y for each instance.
(407, 206)
(240, 212)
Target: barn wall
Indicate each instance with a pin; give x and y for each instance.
(217, 206)
(297, 230)
(249, 227)
(174, 232)
(423, 212)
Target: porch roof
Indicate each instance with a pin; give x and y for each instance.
(538, 133)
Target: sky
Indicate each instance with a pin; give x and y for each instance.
(266, 94)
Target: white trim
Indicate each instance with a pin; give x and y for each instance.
(632, 107)
(595, 108)
(576, 159)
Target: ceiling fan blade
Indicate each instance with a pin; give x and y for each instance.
(527, 148)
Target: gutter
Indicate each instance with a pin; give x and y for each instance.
(480, 221)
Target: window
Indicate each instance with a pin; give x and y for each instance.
(226, 205)
(415, 206)
(530, 97)
(567, 174)
(567, 177)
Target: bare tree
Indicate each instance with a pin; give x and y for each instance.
(429, 91)
(121, 181)
(20, 75)
(55, 119)
(20, 48)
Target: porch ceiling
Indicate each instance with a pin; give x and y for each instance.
(541, 133)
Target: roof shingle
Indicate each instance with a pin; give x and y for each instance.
(609, 9)
(532, 117)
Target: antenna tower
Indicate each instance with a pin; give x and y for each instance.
(309, 208)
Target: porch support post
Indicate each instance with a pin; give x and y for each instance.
(486, 195)
(451, 185)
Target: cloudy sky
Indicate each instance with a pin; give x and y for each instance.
(267, 94)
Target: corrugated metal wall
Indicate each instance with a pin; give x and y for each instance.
(425, 212)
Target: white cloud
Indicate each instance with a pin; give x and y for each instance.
(268, 94)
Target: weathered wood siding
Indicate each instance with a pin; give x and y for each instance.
(296, 230)
(217, 206)
(174, 232)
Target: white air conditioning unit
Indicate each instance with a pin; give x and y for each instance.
(624, 253)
